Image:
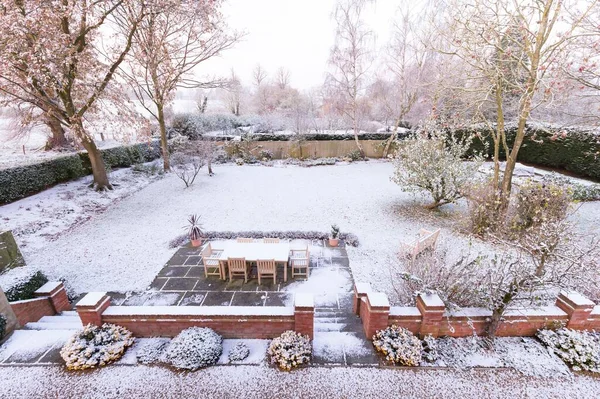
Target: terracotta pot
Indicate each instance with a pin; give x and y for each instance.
(333, 242)
(197, 243)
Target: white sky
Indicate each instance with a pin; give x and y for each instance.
(296, 34)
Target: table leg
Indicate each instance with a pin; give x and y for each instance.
(285, 267)
(222, 270)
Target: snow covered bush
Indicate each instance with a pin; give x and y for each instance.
(96, 346)
(194, 348)
(290, 350)
(540, 203)
(151, 350)
(430, 350)
(579, 349)
(239, 352)
(399, 346)
(431, 160)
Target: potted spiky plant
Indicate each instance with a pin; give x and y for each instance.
(194, 229)
(333, 238)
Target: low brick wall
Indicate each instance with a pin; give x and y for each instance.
(51, 299)
(431, 317)
(230, 321)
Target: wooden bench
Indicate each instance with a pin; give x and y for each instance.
(427, 239)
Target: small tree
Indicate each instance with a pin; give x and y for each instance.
(432, 161)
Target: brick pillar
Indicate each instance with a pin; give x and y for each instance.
(577, 307)
(304, 314)
(432, 310)
(376, 314)
(360, 292)
(55, 291)
(91, 307)
(7, 311)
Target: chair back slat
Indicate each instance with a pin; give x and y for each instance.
(269, 240)
(266, 265)
(244, 240)
(236, 264)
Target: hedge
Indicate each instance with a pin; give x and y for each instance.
(22, 181)
(577, 151)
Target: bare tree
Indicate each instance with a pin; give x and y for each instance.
(234, 93)
(259, 75)
(283, 78)
(169, 45)
(350, 58)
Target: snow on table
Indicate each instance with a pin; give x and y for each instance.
(254, 251)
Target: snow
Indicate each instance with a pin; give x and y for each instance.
(362, 288)
(251, 382)
(304, 300)
(91, 299)
(378, 299)
(432, 300)
(404, 311)
(199, 311)
(118, 241)
(577, 298)
(26, 344)
(49, 287)
(333, 346)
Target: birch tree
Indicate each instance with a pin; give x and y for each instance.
(169, 45)
(350, 59)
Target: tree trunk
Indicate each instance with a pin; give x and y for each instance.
(393, 137)
(209, 164)
(511, 161)
(163, 138)
(58, 138)
(101, 182)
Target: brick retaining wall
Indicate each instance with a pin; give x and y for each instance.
(431, 317)
(50, 299)
(258, 322)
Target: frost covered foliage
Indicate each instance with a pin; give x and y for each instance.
(399, 346)
(96, 346)
(239, 352)
(540, 203)
(430, 350)
(290, 350)
(579, 349)
(579, 192)
(432, 161)
(2, 326)
(194, 348)
(151, 350)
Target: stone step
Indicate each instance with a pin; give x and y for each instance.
(60, 319)
(69, 313)
(53, 326)
(328, 327)
(331, 313)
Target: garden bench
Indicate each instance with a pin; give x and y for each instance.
(427, 239)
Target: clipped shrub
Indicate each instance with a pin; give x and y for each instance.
(265, 155)
(399, 346)
(25, 290)
(3, 324)
(96, 346)
(579, 349)
(430, 349)
(194, 348)
(290, 350)
(151, 350)
(239, 352)
(579, 192)
(22, 181)
(354, 155)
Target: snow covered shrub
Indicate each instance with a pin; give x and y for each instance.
(194, 348)
(399, 346)
(265, 155)
(430, 349)
(290, 350)
(151, 350)
(96, 346)
(354, 155)
(483, 216)
(579, 192)
(25, 289)
(2, 326)
(239, 352)
(186, 166)
(579, 349)
(539, 203)
(432, 161)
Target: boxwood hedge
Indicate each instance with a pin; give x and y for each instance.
(22, 181)
(577, 151)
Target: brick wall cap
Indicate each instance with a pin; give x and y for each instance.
(362, 288)
(92, 299)
(198, 311)
(378, 299)
(576, 299)
(431, 300)
(404, 311)
(48, 288)
(304, 301)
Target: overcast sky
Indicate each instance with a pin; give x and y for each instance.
(296, 34)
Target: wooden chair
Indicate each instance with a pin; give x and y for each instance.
(238, 266)
(300, 262)
(210, 260)
(427, 239)
(271, 240)
(244, 240)
(266, 267)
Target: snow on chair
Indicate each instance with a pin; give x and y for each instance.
(300, 262)
(238, 266)
(266, 267)
(210, 260)
(427, 239)
(244, 240)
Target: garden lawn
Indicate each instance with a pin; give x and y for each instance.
(124, 247)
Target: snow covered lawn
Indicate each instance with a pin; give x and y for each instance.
(123, 247)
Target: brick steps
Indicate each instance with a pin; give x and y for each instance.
(65, 321)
